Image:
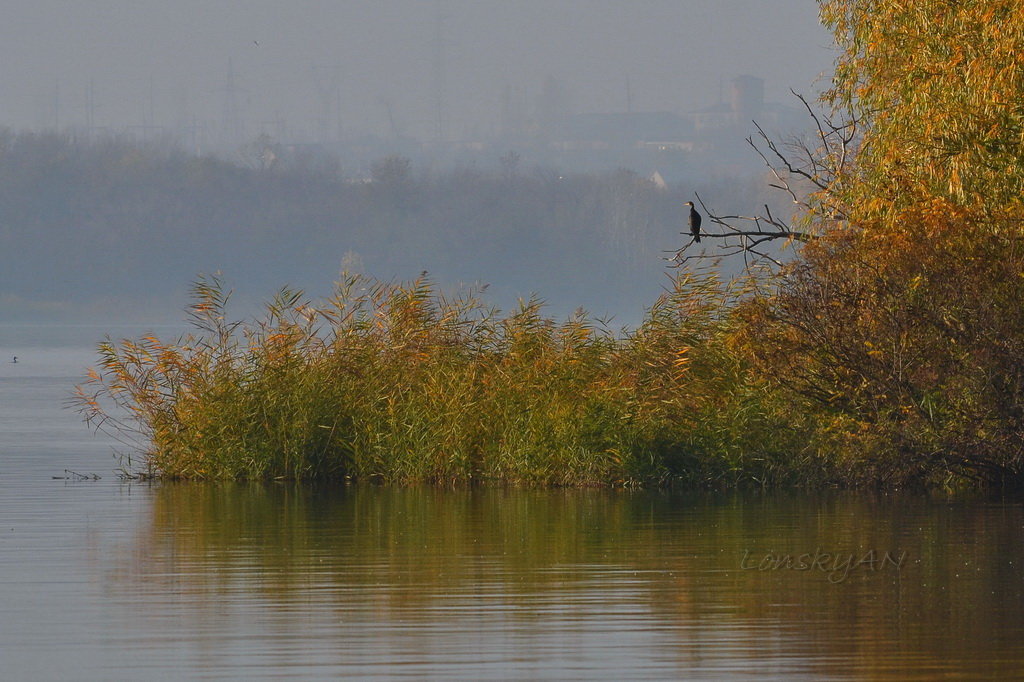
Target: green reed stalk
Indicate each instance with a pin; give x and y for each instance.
(399, 382)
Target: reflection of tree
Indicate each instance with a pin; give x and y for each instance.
(517, 559)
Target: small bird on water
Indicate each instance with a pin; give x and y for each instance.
(694, 222)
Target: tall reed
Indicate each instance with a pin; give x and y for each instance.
(401, 382)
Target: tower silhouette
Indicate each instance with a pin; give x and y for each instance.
(232, 127)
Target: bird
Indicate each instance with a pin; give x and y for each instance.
(15, 360)
(694, 222)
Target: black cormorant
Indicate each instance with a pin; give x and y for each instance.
(694, 222)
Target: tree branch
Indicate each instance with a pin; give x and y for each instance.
(807, 176)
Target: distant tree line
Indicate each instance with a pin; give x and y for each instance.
(82, 220)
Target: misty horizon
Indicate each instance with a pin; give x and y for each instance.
(448, 70)
(318, 92)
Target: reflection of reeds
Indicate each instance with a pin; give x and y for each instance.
(401, 382)
(363, 558)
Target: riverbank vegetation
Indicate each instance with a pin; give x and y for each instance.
(889, 350)
(899, 334)
(400, 382)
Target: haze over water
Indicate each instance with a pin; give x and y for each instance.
(550, 144)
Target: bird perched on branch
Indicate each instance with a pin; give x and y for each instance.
(694, 222)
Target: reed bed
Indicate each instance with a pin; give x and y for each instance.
(400, 382)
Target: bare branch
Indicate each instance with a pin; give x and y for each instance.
(805, 171)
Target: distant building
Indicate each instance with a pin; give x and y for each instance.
(746, 103)
(668, 145)
(657, 179)
(618, 130)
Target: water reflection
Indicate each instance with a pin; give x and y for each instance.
(497, 583)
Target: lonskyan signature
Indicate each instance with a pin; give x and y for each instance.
(837, 565)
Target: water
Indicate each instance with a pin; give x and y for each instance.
(108, 580)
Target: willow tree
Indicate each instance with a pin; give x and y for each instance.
(900, 331)
(938, 85)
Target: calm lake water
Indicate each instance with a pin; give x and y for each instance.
(109, 580)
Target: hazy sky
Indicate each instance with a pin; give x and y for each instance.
(165, 62)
